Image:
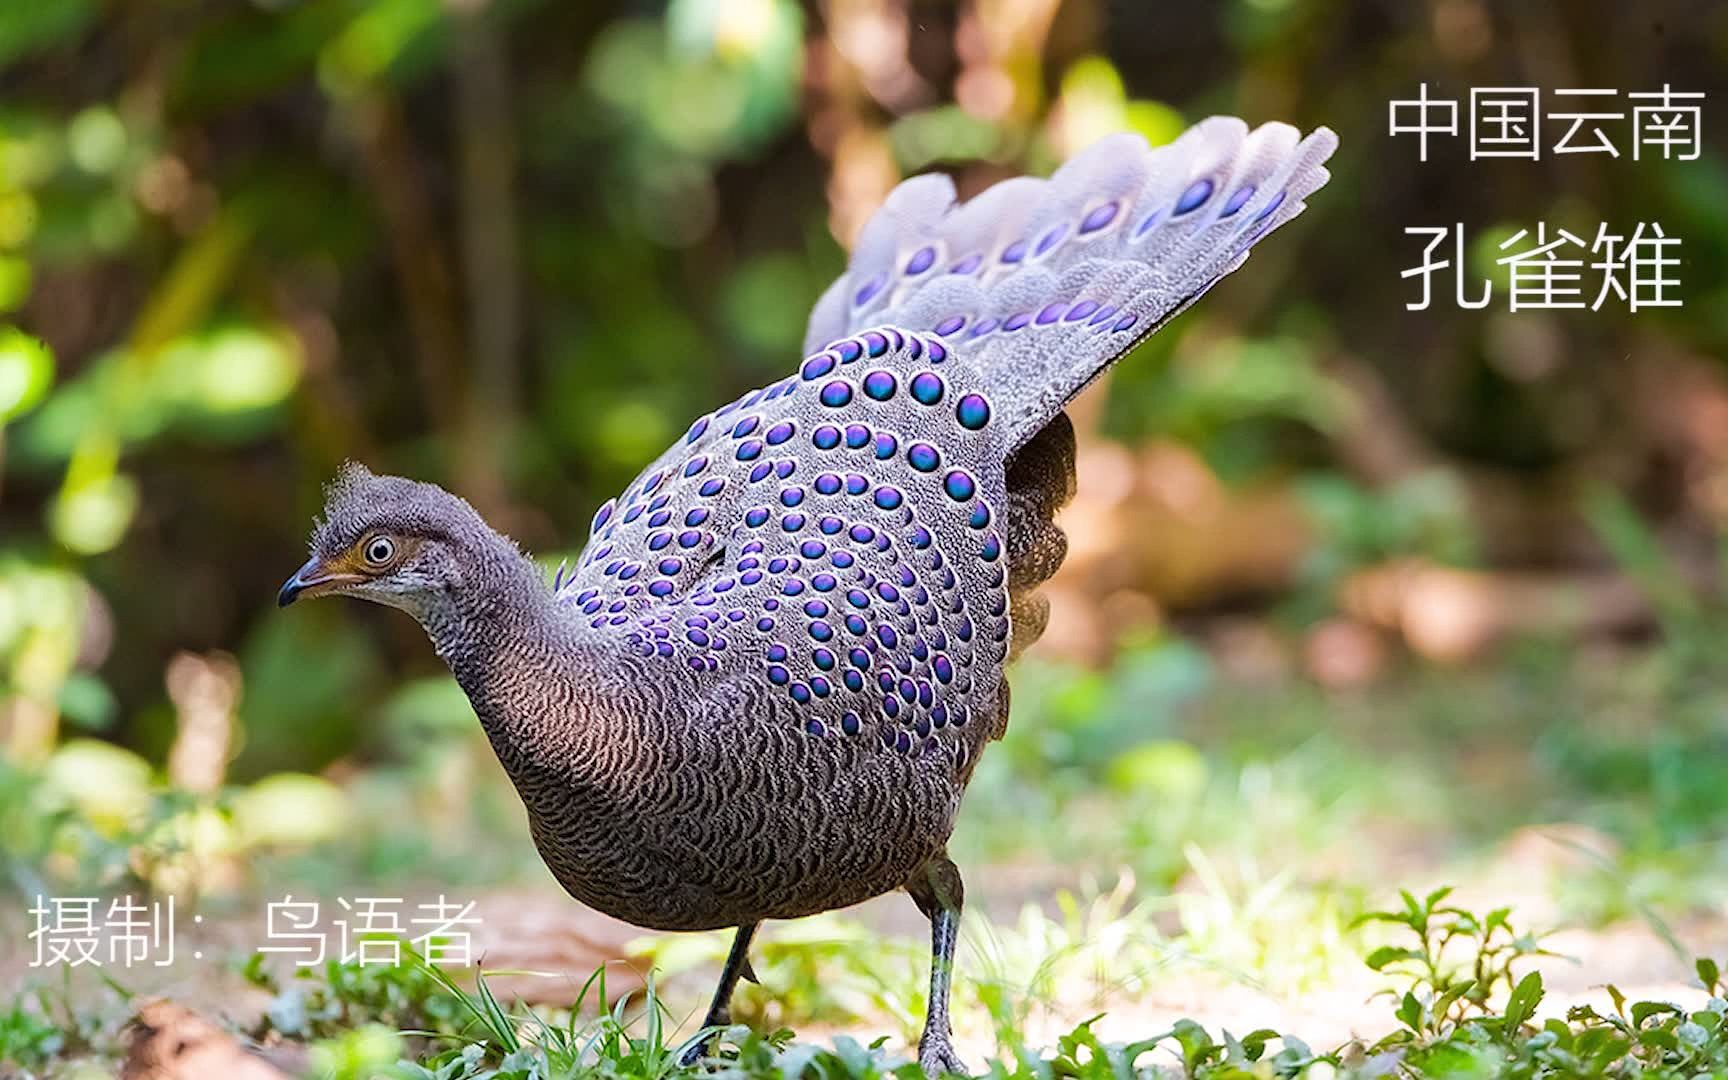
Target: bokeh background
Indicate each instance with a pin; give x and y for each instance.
(1359, 597)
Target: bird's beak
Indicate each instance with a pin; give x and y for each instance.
(312, 579)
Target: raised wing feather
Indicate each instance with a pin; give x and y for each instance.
(1044, 283)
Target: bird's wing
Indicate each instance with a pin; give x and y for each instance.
(1044, 283)
(831, 540)
(827, 549)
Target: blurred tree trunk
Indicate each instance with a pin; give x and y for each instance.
(486, 139)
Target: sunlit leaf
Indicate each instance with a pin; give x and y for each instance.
(1158, 122)
(243, 368)
(290, 808)
(632, 431)
(1095, 104)
(368, 1050)
(1409, 1010)
(108, 784)
(18, 217)
(96, 139)
(26, 372)
(90, 518)
(1168, 769)
(1522, 1004)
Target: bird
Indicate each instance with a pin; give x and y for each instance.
(762, 688)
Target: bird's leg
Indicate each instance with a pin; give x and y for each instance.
(939, 894)
(720, 1009)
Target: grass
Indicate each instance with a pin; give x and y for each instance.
(1459, 1007)
(1458, 1001)
(1457, 1004)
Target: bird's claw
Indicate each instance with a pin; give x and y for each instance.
(696, 1053)
(702, 1048)
(937, 1058)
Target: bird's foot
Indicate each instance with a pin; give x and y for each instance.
(937, 1058)
(696, 1053)
(701, 1049)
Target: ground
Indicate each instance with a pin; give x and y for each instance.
(1193, 849)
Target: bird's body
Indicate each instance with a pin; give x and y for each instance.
(640, 799)
(762, 690)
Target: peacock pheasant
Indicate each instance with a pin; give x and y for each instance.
(763, 688)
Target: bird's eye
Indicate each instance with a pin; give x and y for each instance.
(379, 550)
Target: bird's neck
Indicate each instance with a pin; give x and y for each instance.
(511, 647)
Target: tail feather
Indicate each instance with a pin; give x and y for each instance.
(1042, 284)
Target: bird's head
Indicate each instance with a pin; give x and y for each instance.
(387, 539)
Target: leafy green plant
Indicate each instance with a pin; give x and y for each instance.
(1446, 989)
(323, 1002)
(28, 1037)
(44, 1026)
